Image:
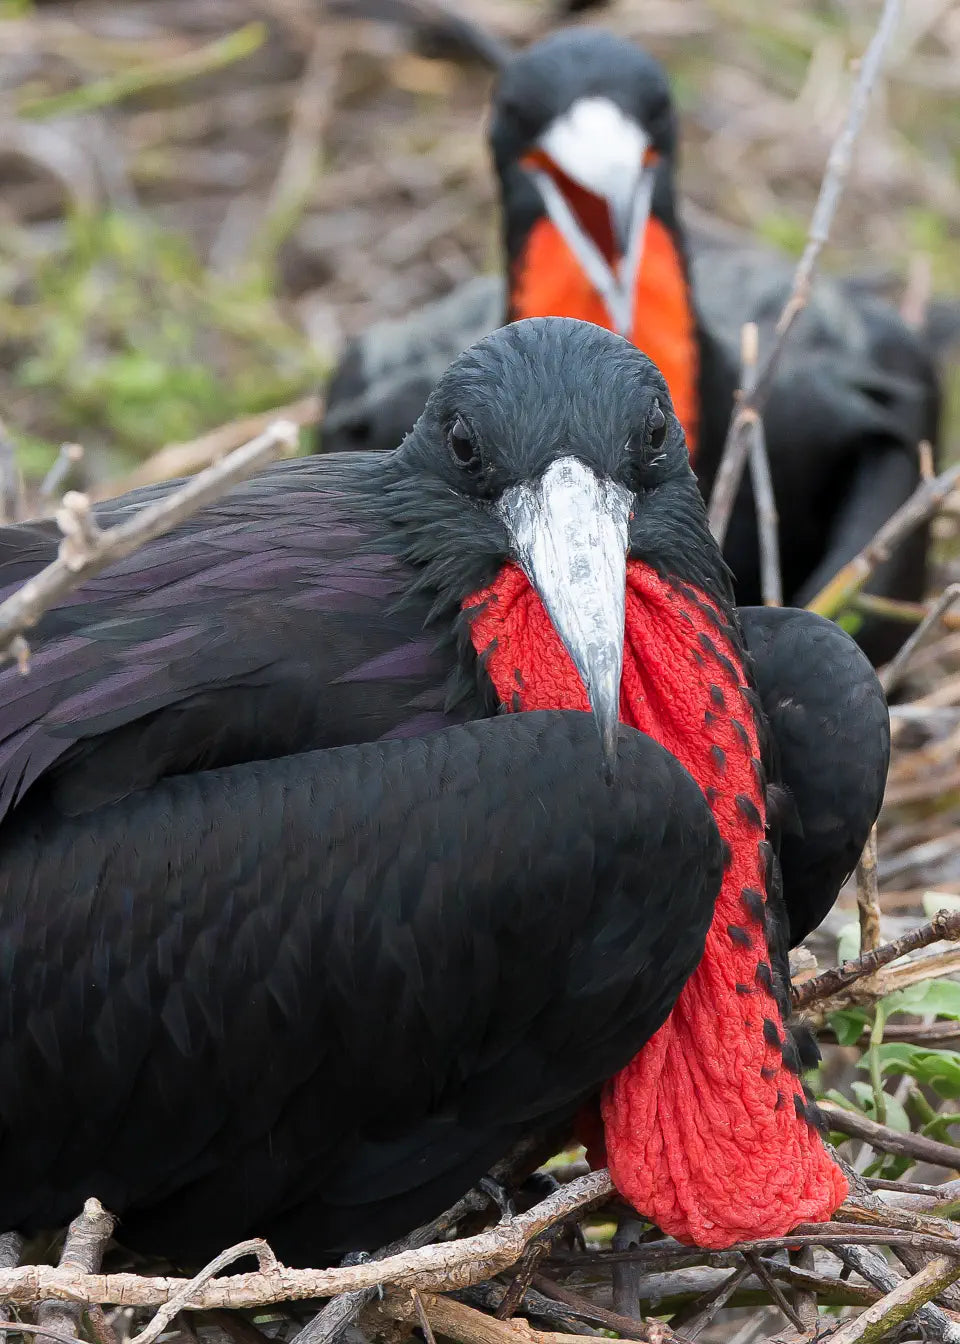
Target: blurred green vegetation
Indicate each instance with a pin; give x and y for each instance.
(129, 342)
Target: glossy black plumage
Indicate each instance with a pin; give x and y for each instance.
(856, 392)
(174, 853)
(833, 743)
(196, 1022)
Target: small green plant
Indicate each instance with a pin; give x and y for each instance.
(125, 341)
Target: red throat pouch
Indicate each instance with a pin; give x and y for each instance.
(548, 281)
(706, 1129)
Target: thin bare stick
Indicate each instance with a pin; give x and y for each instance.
(83, 1249)
(898, 1305)
(182, 459)
(626, 1326)
(768, 520)
(469, 1326)
(715, 1302)
(41, 1331)
(916, 1146)
(837, 171)
(61, 474)
(11, 1249)
(909, 613)
(11, 480)
(425, 1325)
(804, 1300)
(773, 1288)
(868, 895)
(266, 1261)
(441, 1268)
(944, 925)
(897, 666)
(332, 1320)
(932, 1320)
(834, 596)
(86, 550)
(523, 1273)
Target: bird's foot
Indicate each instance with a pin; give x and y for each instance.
(498, 1193)
(360, 1258)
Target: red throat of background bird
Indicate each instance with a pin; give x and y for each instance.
(548, 281)
(707, 1130)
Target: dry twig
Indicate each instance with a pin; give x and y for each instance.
(944, 926)
(83, 1249)
(86, 550)
(899, 1304)
(835, 596)
(917, 1146)
(436, 1268)
(897, 666)
(468, 1326)
(182, 459)
(750, 404)
(931, 1319)
(868, 895)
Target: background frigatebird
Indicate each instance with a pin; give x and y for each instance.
(583, 137)
(220, 869)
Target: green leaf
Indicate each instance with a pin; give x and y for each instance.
(939, 900)
(848, 942)
(939, 1069)
(938, 997)
(848, 1024)
(896, 1117)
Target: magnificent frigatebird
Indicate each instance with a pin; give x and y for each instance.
(292, 947)
(584, 140)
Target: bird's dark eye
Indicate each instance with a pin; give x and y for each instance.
(462, 447)
(657, 427)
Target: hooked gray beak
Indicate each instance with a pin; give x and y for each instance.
(570, 532)
(595, 148)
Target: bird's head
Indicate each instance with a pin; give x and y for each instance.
(551, 448)
(583, 133)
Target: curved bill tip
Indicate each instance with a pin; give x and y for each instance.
(570, 531)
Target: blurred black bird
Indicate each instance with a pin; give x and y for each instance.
(299, 935)
(584, 141)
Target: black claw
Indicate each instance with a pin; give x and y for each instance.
(496, 1192)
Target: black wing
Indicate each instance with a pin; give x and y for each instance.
(314, 998)
(264, 625)
(829, 721)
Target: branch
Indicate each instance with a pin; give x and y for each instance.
(933, 1320)
(944, 925)
(441, 1268)
(183, 459)
(895, 669)
(888, 1140)
(86, 550)
(768, 520)
(266, 1261)
(11, 1249)
(86, 1240)
(868, 895)
(834, 596)
(468, 1326)
(899, 1304)
(752, 401)
(332, 1320)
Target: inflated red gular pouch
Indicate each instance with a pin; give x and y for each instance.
(707, 1131)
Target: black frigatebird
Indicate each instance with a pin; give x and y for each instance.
(292, 945)
(584, 141)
